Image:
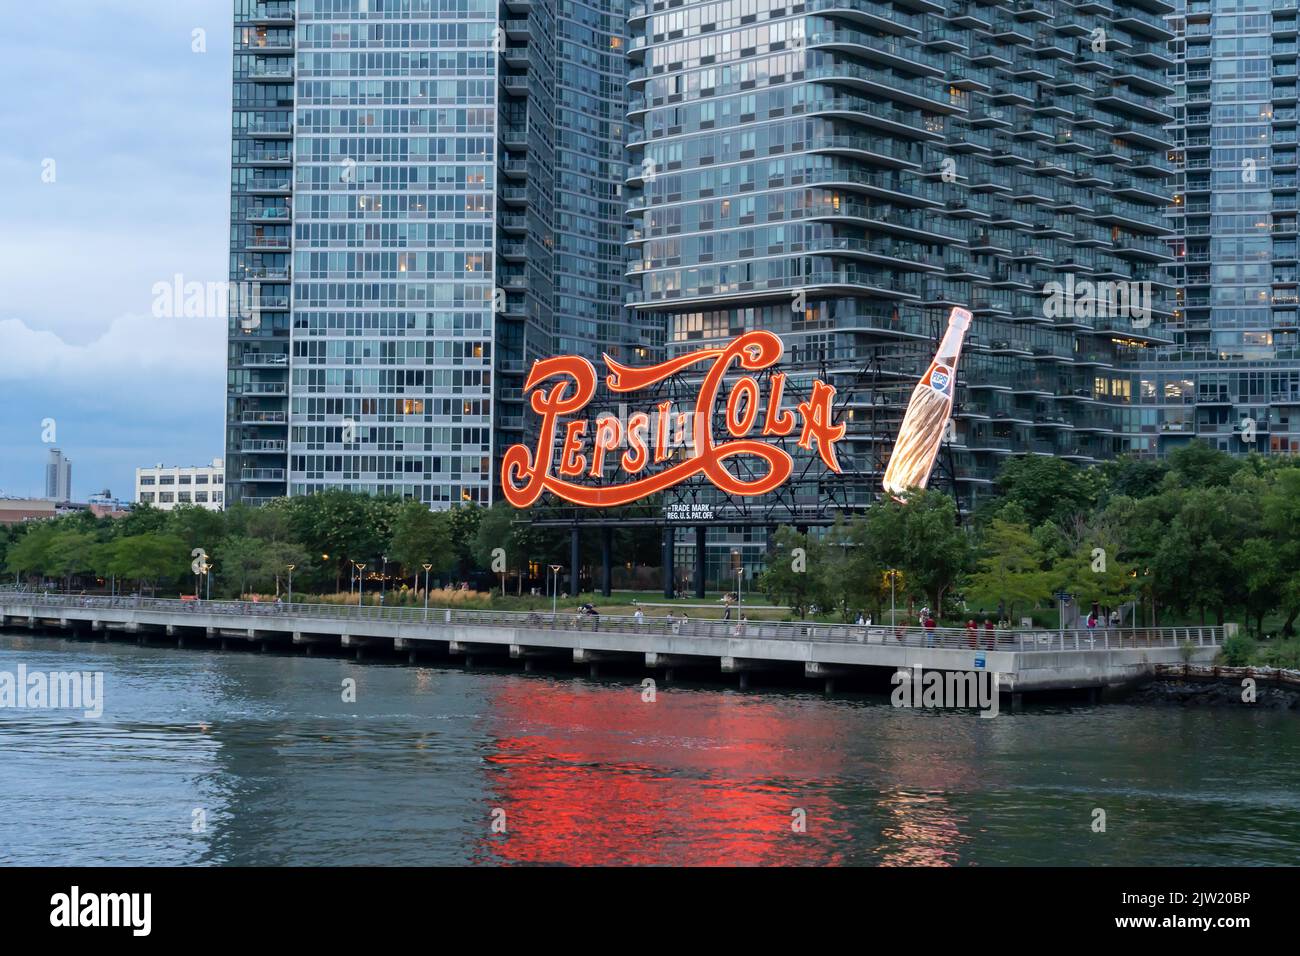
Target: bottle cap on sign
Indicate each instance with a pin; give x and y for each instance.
(959, 317)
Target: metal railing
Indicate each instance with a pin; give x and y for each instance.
(1018, 639)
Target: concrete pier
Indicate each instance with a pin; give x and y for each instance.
(828, 654)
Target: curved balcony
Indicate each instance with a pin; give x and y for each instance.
(933, 96)
(885, 152)
(873, 114)
(894, 52)
(870, 14)
(891, 254)
(818, 283)
(890, 186)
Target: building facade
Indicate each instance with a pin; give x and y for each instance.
(1231, 376)
(844, 172)
(165, 487)
(58, 476)
(394, 241)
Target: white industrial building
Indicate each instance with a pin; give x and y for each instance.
(166, 487)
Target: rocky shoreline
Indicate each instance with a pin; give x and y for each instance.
(1222, 692)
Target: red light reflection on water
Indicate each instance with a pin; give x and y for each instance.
(594, 775)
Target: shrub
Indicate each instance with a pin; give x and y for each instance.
(1237, 651)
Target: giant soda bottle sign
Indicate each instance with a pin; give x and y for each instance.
(927, 414)
(561, 388)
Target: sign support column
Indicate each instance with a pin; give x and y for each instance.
(700, 535)
(669, 581)
(575, 559)
(606, 568)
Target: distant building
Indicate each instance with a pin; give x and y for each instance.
(104, 505)
(166, 487)
(58, 476)
(18, 510)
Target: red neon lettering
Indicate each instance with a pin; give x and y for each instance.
(527, 473)
(637, 455)
(609, 433)
(780, 421)
(746, 389)
(817, 425)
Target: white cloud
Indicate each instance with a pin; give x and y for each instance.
(138, 355)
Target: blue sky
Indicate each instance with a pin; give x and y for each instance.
(138, 127)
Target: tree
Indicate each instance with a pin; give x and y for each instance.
(149, 558)
(463, 526)
(1049, 489)
(71, 553)
(920, 536)
(1133, 477)
(31, 553)
(1010, 570)
(197, 527)
(1094, 574)
(1262, 578)
(343, 526)
(239, 558)
(1201, 465)
(787, 578)
(420, 536)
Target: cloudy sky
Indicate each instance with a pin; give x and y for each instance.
(110, 100)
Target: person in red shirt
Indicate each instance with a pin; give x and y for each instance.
(972, 633)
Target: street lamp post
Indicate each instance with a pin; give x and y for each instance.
(427, 568)
(291, 567)
(892, 577)
(555, 583)
(361, 584)
(740, 597)
(383, 579)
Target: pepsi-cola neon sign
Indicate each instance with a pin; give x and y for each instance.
(562, 387)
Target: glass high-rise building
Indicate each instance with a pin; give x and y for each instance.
(844, 172)
(394, 234)
(1232, 375)
(591, 136)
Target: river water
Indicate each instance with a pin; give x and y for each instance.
(202, 757)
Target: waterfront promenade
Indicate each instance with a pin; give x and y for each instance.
(1026, 660)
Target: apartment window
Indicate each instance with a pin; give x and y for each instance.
(184, 497)
(185, 479)
(166, 497)
(146, 480)
(200, 479)
(167, 479)
(200, 497)
(146, 496)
